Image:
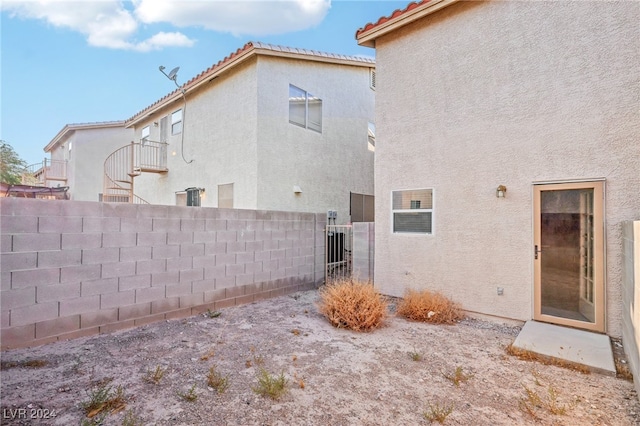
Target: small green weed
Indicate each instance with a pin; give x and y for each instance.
(270, 386)
(415, 356)
(154, 376)
(212, 314)
(98, 420)
(458, 376)
(532, 402)
(437, 413)
(217, 381)
(103, 400)
(189, 395)
(132, 419)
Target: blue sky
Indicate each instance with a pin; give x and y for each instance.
(86, 61)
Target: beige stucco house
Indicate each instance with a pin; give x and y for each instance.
(77, 155)
(508, 155)
(268, 127)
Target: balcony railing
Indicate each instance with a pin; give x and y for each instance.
(40, 173)
(127, 162)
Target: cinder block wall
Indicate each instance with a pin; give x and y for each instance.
(73, 268)
(631, 297)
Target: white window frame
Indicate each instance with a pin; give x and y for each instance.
(176, 123)
(306, 97)
(146, 132)
(413, 210)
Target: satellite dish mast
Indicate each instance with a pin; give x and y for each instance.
(173, 74)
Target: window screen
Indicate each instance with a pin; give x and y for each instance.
(362, 207)
(413, 211)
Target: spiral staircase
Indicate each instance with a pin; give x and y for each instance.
(127, 162)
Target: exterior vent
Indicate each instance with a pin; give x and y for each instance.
(372, 78)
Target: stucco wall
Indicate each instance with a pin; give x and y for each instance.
(219, 136)
(327, 165)
(631, 297)
(70, 269)
(488, 93)
(237, 131)
(85, 161)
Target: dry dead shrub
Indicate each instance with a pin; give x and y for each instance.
(526, 355)
(352, 304)
(429, 306)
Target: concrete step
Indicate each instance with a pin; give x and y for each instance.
(586, 348)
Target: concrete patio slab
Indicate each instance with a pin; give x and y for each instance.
(582, 347)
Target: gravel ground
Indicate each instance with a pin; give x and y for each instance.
(334, 376)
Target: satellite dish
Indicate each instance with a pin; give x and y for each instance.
(172, 74)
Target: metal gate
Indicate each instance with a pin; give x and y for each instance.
(338, 252)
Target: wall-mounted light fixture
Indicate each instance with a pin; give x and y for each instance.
(297, 189)
(501, 191)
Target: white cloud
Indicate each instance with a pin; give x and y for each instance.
(104, 23)
(258, 17)
(163, 39)
(107, 23)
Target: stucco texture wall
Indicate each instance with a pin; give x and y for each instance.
(488, 93)
(327, 165)
(237, 131)
(85, 160)
(219, 136)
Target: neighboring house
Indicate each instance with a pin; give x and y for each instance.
(77, 154)
(508, 155)
(268, 127)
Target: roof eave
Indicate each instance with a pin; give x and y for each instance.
(368, 38)
(190, 87)
(242, 55)
(70, 128)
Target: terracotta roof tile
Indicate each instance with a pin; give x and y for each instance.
(396, 13)
(245, 50)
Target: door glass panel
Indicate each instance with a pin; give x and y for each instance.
(567, 253)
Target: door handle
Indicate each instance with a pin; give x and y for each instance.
(536, 251)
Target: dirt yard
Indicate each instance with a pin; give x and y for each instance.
(391, 376)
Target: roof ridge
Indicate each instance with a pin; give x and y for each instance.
(91, 123)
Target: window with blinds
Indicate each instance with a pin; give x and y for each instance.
(412, 211)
